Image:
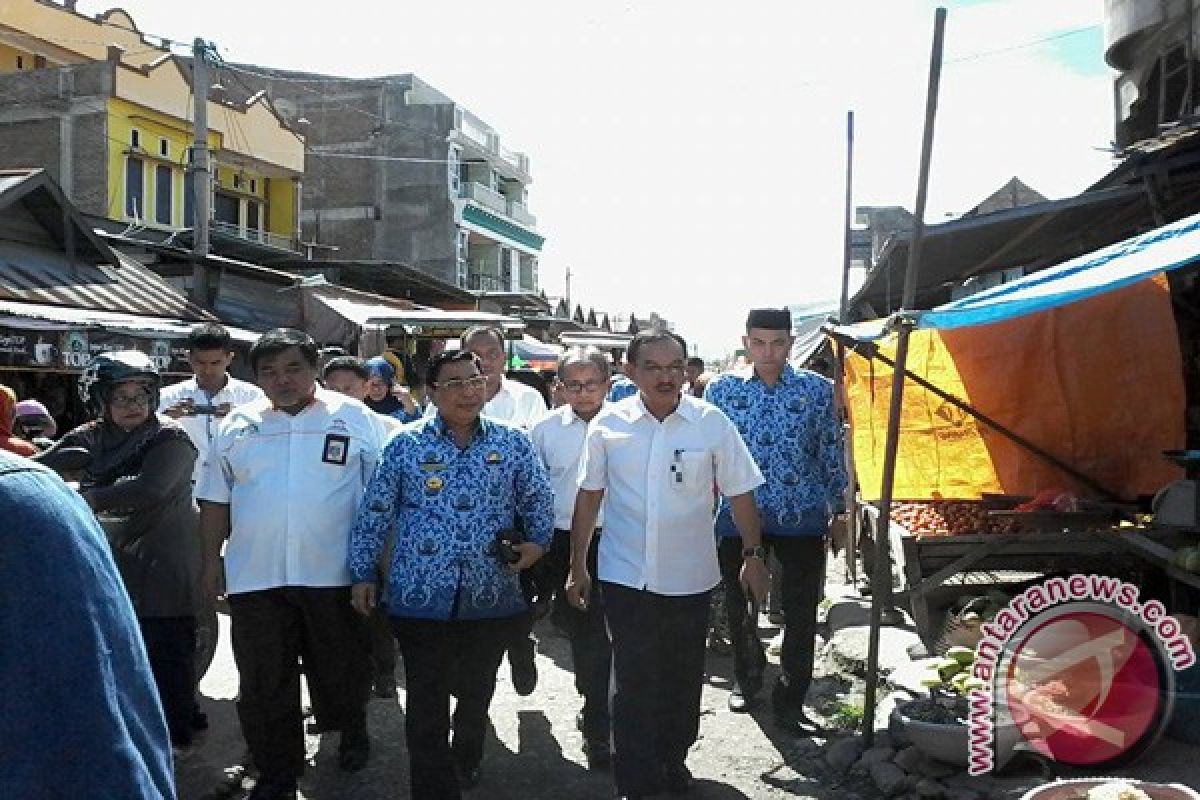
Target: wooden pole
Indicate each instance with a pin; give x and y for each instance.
(839, 374)
(883, 566)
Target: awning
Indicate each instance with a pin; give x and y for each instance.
(58, 338)
(433, 322)
(1122, 264)
(601, 339)
(537, 354)
(360, 312)
(34, 316)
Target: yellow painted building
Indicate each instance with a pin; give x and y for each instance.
(258, 162)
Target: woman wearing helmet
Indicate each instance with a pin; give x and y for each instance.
(138, 476)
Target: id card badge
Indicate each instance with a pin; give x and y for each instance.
(337, 449)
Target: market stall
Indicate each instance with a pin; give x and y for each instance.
(1066, 384)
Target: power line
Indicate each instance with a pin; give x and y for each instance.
(1023, 46)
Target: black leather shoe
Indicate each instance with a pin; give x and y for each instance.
(524, 667)
(677, 778)
(354, 750)
(599, 755)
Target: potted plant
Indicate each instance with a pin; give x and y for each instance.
(937, 723)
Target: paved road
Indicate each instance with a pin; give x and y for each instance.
(534, 752)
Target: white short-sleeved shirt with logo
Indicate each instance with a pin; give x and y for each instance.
(202, 428)
(558, 439)
(293, 484)
(659, 479)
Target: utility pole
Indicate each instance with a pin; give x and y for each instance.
(201, 174)
(568, 290)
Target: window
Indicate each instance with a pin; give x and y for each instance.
(454, 171)
(253, 215)
(164, 185)
(135, 189)
(189, 198)
(506, 270)
(164, 148)
(237, 181)
(135, 138)
(20, 62)
(226, 209)
(253, 186)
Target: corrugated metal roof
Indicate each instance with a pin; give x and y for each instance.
(97, 278)
(55, 317)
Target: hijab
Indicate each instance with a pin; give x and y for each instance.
(8, 412)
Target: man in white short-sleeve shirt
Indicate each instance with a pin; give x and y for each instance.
(559, 439)
(285, 477)
(654, 459)
(200, 402)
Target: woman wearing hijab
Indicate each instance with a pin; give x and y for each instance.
(33, 423)
(139, 475)
(381, 397)
(9, 442)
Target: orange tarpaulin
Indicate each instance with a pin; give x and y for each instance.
(1098, 383)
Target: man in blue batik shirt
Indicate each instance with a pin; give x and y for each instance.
(788, 420)
(453, 485)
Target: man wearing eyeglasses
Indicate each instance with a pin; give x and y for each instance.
(559, 439)
(520, 405)
(653, 460)
(453, 487)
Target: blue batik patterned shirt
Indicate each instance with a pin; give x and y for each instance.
(447, 504)
(794, 434)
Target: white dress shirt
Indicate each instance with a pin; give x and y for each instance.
(202, 428)
(658, 479)
(559, 439)
(516, 404)
(293, 485)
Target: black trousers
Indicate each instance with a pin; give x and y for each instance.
(383, 644)
(171, 648)
(591, 653)
(802, 560)
(438, 653)
(658, 673)
(275, 629)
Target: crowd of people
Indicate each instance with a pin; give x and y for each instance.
(343, 514)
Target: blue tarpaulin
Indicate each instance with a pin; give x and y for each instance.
(1163, 249)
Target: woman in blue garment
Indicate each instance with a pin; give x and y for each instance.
(381, 392)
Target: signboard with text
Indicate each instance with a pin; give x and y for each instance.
(53, 349)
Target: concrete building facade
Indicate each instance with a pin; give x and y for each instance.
(399, 172)
(109, 114)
